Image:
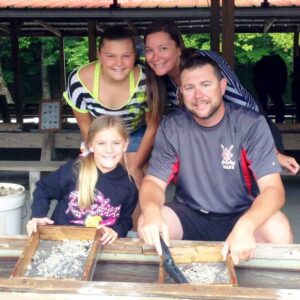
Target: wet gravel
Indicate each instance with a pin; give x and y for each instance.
(206, 273)
(66, 259)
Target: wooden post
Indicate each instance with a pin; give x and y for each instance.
(92, 41)
(295, 82)
(47, 146)
(34, 177)
(215, 27)
(15, 55)
(4, 112)
(228, 31)
(62, 65)
(296, 51)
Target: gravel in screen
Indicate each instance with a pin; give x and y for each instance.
(64, 259)
(206, 273)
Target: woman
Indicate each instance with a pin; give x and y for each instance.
(115, 85)
(163, 48)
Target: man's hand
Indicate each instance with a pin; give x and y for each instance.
(240, 244)
(152, 227)
(288, 163)
(34, 222)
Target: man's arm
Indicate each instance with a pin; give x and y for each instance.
(152, 224)
(241, 241)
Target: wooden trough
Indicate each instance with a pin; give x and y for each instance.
(201, 265)
(128, 269)
(46, 240)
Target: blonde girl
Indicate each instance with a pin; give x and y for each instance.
(93, 191)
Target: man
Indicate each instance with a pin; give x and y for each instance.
(223, 160)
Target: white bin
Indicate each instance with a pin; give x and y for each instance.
(11, 210)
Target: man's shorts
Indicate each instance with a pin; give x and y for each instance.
(135, 139)
(199, 226)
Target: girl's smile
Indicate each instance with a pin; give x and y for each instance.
(108, 147)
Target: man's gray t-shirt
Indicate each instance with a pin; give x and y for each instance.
(214, 168)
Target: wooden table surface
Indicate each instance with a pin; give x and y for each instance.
(129, 270)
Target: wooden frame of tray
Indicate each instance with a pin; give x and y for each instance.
(200, 254)
(59, 233)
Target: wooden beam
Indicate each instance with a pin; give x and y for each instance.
(10, 127)
(5, 29)
(62, 66)
(268, 25)
(265, 3)
(291, 141)
(283, 262)
(296, 47)
(215, 27)
(228, 31)
(60, 289)
(295, 87)
(12, 246)
(47, 147)
(288, 127)
(48, 27)
(15, 55)
(92, 29)
(131, 26)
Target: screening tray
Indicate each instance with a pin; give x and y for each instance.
(43, 246)
(202, 265)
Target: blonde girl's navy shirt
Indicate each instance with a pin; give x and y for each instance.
(115, 199)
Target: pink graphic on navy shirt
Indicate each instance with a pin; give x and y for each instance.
(100, 212)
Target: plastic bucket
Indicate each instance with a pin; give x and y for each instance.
(11, 210)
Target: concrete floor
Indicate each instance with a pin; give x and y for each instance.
(291, 209)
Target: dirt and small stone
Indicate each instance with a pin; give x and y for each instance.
(59, 259)
(206, 273)
(7, 191)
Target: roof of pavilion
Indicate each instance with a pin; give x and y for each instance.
(135, 3)
(70, 17)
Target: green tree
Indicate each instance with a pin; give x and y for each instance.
(76, 53)
(249, 48)
(198, 41)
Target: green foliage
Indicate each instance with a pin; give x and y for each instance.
(51, 51)
(5, 60)
(198, 41)
(76, 53)
(249, 48)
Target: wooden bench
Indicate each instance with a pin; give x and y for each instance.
(291, 139)
(291, 135)
(47, 142)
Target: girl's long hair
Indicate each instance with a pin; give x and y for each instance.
(86, 167)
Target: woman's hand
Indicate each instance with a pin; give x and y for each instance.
(34, 222)
(288, 163)
(108, 236)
